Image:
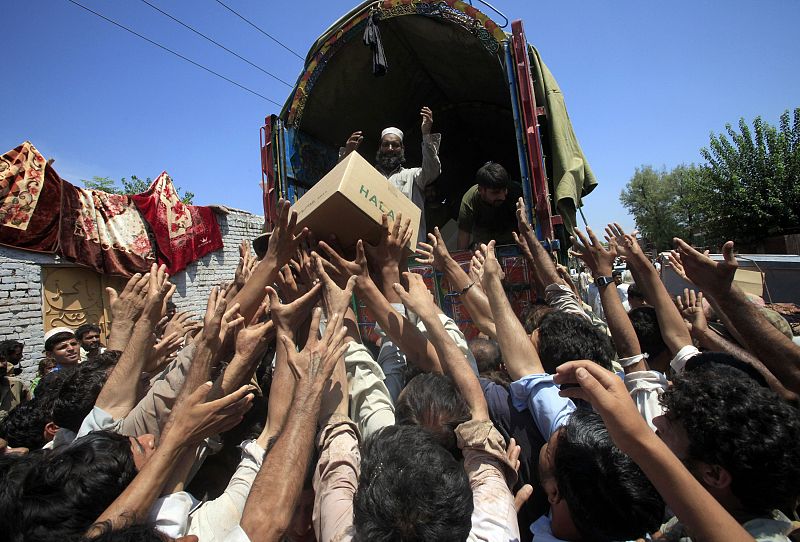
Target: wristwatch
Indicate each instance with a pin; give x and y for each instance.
(603, 281)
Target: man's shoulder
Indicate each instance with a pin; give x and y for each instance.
(470, 194)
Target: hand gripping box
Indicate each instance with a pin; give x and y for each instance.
(349, 201)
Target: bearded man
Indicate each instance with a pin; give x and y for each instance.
(390, 158)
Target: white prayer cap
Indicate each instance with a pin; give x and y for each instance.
(55, 331)
(394, 131)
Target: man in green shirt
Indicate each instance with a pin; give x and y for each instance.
(487, 209)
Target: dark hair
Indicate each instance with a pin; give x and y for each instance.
(635, 291)
(706, 361)
(51, 343)
(57, 496)
(608, 495)
(410, 489)
(487, 354)
(433, 402)
(492, 175)
(566, 337)
(7, 347)
(54, 380)
(80, 390)
(745, 428)
(84, 329)
(24, 425)
(533, 314)
(645, 324)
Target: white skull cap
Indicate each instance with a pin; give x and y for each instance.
(56, 330)
(392, 130)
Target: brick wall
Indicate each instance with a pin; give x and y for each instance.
(21, 284)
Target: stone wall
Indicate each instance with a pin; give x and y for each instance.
(21, 284)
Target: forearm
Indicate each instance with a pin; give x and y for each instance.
(673, 328)
(407, 337)
(700, 513)
(474, 299)
(252, 293)
(120, 392)
(712, 341)
(121, 330)
(780, 355)
(271, 503)
(455, 364)
(519, 355)
(546, 273)
(281, 390)
(622, 332)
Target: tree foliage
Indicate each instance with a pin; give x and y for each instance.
(748, 189)
(129, 187)
(751, 189)
(660, 203)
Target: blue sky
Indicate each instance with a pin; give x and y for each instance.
(644, 82)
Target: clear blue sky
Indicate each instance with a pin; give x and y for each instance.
(644, 82)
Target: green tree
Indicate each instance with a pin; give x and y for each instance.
(751, 186)
(133, 186)
(660, 202)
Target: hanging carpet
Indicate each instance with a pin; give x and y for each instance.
(30, 198)
(104, 231)
(183, 233)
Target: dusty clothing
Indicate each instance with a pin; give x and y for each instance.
(490, 475)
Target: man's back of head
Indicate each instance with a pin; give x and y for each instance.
(410, 489)
(566, 337)
(736, 431)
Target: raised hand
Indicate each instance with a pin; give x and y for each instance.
(340, 269)
(289, 284)
(491, 267)
(691, 307)
(626, 243)
(476, 267)
(710, 276)
(336, 299)
(252, 340)
(417, 298)
(128, 304)
(523, 225)
(434, 253)
(353, 142)
(158, 291)
(180, 324)
(195, 418)
(314, 364)
(287, 317)
(283, 242)
(219, 319)
(247, 262)
(389, 250)
(597, 258)
(427, 120)
(674, 259)
(523, 246)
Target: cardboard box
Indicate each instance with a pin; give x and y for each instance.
(349, 201)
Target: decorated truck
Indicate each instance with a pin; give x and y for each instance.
(492, 96)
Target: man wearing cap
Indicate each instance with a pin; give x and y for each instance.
(390, 158)
(61, 346)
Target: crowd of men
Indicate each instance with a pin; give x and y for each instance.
(608, 411)
(271, 418)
